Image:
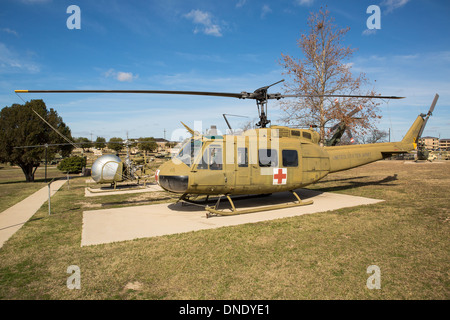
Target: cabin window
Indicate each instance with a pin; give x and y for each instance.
(306, 135)
(212, 158)
(242, 157)
(295, 133)
(215, 157)
(203, 161)
(268, 157)
(290, 158)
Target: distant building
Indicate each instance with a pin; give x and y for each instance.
(435, 144)
(444, 144)
(430, 143)
(161, 143)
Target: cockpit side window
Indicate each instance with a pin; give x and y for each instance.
(203, 161)
(212, 158)
(190, 149)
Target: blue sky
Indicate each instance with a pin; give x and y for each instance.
(226, 46)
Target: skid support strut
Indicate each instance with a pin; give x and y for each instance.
(233, 211)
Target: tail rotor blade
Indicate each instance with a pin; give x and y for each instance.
(433, 104)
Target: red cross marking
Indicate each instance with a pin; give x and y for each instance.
(280, 176)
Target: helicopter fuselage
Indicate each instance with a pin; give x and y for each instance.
(266, 160)
(257, 161)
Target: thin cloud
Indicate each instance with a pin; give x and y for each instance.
(240, 3)
(125, 76)
(368, 32)
(120, 75)
(392, 5)
(12, 62)
(305, 2)
(204, 22)
(265, 10)
(10, 31)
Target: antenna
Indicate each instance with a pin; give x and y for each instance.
(233, 115)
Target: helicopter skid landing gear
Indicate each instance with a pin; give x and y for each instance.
(214, 210)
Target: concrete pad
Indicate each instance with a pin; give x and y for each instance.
(89, 192)
(120, 224)
(14, 218)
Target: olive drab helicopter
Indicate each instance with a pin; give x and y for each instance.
(264, 160)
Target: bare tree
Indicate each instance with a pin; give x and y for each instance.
(374, 136)
(325, 70)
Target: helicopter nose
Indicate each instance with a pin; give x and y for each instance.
(173, 177)
(178, 184)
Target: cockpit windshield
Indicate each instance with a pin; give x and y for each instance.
(189, 151)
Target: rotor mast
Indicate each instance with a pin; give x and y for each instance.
(261, 103)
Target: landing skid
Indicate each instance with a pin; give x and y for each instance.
(214, 211)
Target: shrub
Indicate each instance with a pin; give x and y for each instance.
(73, 164)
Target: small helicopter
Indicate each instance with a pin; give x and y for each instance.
(109, 168)
(263, 160)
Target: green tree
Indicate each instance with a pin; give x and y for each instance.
(20, 126)
(73, 164)
(115, 144)
(147, 144)
(85, 143)
(100, 143)
(170, 144)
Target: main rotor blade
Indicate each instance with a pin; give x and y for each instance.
(337, 96)
(242, 95)
(198, 93)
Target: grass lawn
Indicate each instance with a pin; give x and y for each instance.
(317, 256)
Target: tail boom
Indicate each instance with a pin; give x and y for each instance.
(347, 157)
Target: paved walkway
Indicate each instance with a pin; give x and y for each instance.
(128, 223)
(107, 192)
(14, 218)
